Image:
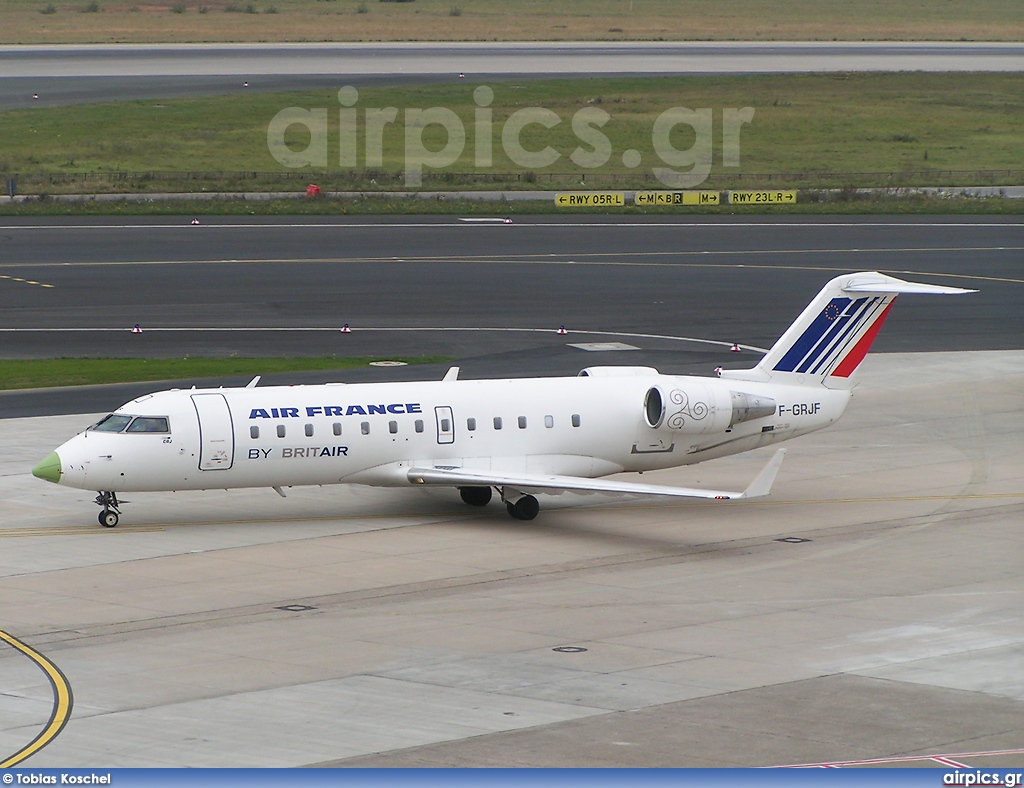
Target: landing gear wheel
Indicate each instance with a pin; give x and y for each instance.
(476, 496)
(108, 500)
(526, 508)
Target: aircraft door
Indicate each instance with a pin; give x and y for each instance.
(445, 424)
(216, 432)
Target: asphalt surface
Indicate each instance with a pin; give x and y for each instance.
(488, 296)
(19, 92)
(78, 73)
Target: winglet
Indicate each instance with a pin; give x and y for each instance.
(762, 484)
(451, 374)
(252, 383)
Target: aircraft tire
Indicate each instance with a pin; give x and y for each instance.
(108, 519)
(475, 496)
(526, 508)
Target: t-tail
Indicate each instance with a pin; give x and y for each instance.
(826, 344)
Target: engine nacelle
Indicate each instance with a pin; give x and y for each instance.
(695, 408)
(616, 372)
(692, 408)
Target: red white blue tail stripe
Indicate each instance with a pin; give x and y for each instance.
(830, 338)
(838, 338)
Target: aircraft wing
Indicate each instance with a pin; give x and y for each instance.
(537, 482)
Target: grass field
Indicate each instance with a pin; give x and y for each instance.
(840, 126)
(106, 21)
(842, 201)
(42, 373)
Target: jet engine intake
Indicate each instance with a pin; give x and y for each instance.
(686, 407)
(654, 408)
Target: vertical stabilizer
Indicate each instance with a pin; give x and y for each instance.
(830, 338)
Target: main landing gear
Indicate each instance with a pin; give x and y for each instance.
(525, 508)
(108, 517)
(520, 506)
(475, 496)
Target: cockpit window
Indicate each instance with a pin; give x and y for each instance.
(149, 424)
(114, 422)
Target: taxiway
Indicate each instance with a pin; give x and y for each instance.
(870, 608)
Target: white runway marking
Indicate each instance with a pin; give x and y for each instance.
(602, 346)
(955, 760)
(337, 329)
(596, 259)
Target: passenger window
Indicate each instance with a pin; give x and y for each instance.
(149, 424)
(419, 425)
(365, 428)
(575, 419)
(392, 427)
(111, 423)
(280, 430)
(470, 424)
(446, 425)
(497, 422)
(549, 421)
(337, 428)
(522, 422)
(254, 432)
(309, 430)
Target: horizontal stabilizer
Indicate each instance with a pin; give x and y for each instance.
(531, 482)
(872, 282)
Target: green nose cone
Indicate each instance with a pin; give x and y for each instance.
(49, 468)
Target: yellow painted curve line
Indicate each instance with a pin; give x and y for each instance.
(62, 702)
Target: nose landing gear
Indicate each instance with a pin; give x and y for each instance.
(108, 517)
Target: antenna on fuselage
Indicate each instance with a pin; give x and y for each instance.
(252, 383)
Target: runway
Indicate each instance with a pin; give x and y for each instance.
(286, 287)
(869, 609)
(77, 73)
(504, 58)
(702, 277)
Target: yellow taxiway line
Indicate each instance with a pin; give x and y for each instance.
(62, 702)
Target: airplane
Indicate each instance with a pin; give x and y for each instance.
(516, 437)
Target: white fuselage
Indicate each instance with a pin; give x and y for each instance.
(374, 433)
